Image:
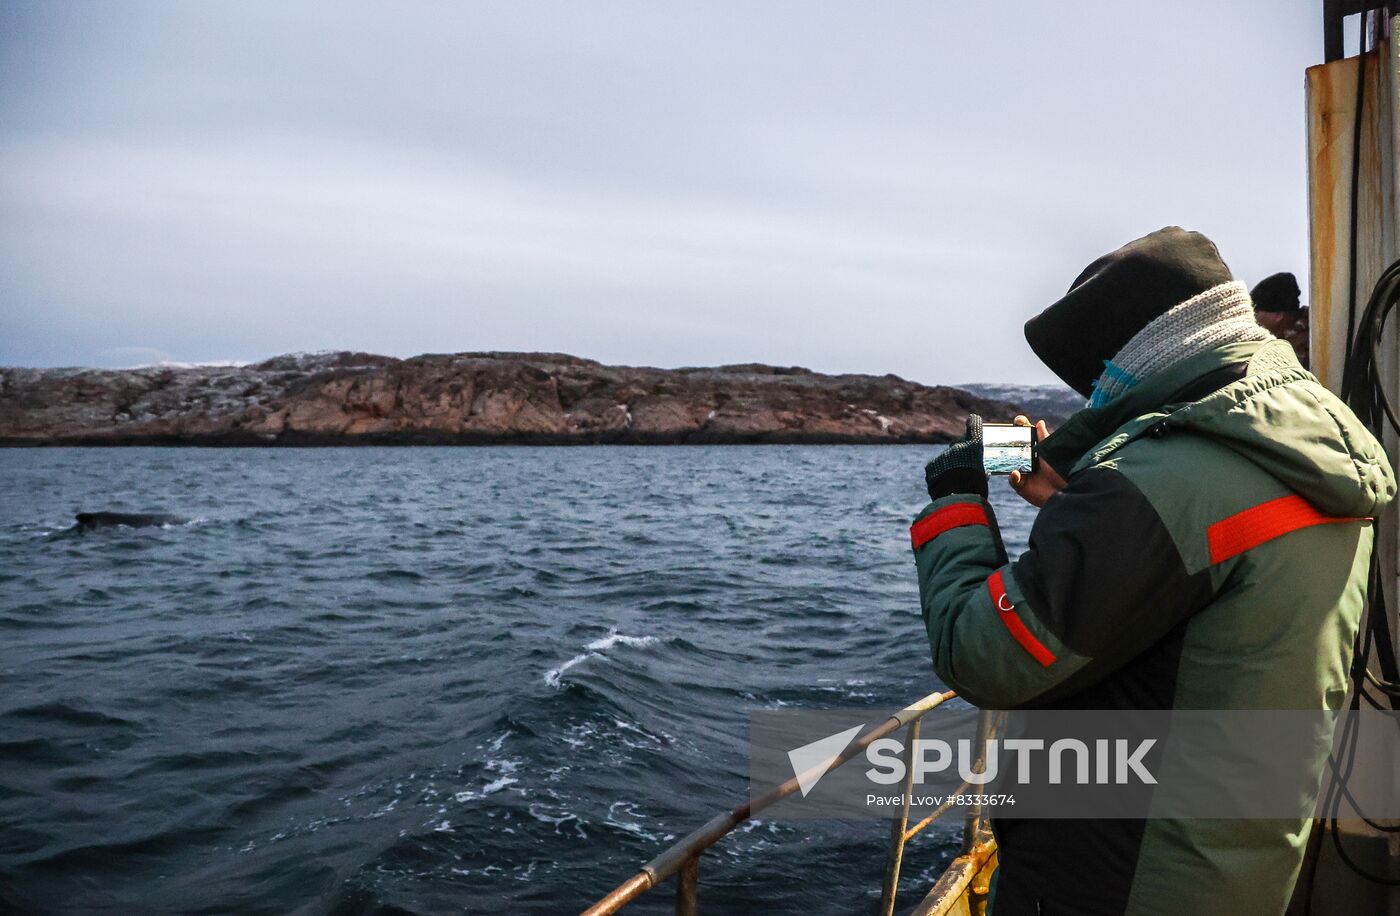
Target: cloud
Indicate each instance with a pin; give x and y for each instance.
(846, 188)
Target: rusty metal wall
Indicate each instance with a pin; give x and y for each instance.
(1331, 117)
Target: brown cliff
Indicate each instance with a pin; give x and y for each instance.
(471, 398)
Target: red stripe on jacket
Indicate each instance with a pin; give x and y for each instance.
(1014, 624)
(1246, 530)
(949, 517)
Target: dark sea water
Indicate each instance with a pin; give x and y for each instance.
(441, 680)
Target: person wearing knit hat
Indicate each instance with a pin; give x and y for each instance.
(1278, 309)
(1277, 293)
(1202, 542)
(1155, 301)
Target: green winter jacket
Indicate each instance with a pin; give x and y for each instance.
(1210, 551)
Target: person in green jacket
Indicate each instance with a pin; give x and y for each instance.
(1203, 542)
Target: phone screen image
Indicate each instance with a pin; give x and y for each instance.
(1007, 448)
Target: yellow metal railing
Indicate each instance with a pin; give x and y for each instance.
(957, 886)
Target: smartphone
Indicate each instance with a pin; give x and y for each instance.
(1007, 448)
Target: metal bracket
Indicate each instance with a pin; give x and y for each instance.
(1334, 12)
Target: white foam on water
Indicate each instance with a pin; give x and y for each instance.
(497, 785)
(578, 735)
(629, 826)
(596, 649)
(552, 676)
(539, 813)
(648, 740)
(503, 767)
(615, 638)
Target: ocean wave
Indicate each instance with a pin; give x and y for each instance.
(67, 714)
(395, 575)
(383, 742)
(596, 649)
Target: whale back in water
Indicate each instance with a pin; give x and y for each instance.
(91, 521)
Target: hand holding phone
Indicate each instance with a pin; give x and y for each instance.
(1037, 486)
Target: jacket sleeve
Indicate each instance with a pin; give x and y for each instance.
(1101, 581)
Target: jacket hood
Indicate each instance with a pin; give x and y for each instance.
(1281, 418)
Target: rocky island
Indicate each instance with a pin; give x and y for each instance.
(347, 398)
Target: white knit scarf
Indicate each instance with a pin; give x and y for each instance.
(1222, 314)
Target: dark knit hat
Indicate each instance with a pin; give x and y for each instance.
(1116, 296)
(1277, 293)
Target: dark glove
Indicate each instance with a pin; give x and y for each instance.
(959, 468)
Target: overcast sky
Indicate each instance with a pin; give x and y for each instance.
(854, 187)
